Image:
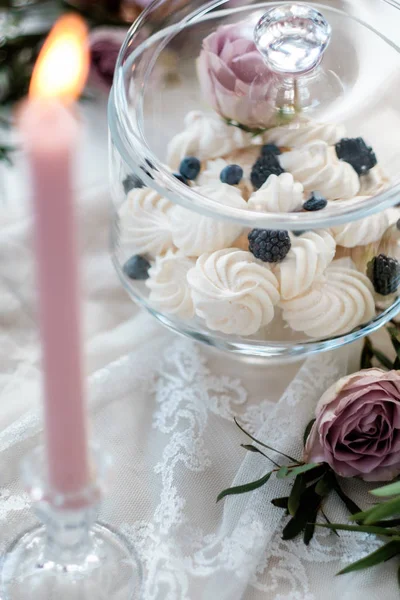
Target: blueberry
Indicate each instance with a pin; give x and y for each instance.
(190, 167)
(270, 149)
(315, 202)
(137, 267)
(132, 182)
(181, 178)
(231, 174)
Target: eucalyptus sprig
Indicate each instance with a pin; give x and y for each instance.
(383, 520)
(370, 351)
(311, 485)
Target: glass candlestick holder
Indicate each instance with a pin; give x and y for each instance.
(70, 555)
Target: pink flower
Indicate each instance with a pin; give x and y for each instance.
(105, 43)
(234, 78)
(357, 427)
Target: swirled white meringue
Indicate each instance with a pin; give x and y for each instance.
(307, 259)
(318, 168)
(211, 172)
(335, 304)
(210, 175)
(304, 131)
(195, 234)
(169, 289)
(279, 194)
(362, 232)
(233, 292)
(145, 222)
(374, 182)
(205, 136)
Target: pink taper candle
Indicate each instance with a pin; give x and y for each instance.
(50, 135)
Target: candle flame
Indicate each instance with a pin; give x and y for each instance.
(62, 67)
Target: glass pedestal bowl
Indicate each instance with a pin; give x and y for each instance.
(254, 172)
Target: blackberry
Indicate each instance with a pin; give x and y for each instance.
(132, 182)
(181, 178)
(265, 166)
(356, 152)
(231, 174)
(315, 202)
(269, 245)
(270, 149)
(137, 267)
(190, 167)
(384, 272)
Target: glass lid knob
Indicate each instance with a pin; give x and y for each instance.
(292, 38)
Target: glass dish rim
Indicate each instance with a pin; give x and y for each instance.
(155, 174)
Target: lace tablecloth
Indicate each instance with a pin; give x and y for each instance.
(164, 406)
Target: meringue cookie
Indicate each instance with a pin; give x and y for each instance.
(304, 131)
(211, 172)
(233, 292)
(318, 168)
(362, 232)
(245, 157)
(169, 289)
(205, 136)
(145, 222)
(374, 182)
(308, 257)
(335, 304)
(279, 194)
(359, 256)
(195, 234)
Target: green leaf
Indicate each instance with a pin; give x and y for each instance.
(309, 531)
(324, 485)
(283, 471)
(246, 487)
(295, 495)
(394, 339)
(309, 505)
(314, 474)
(301, 469)
(366, 355)
(251, 448)
(360, 529)
(281, 502)
(383, 359)
(388, 490)
(307, 431)
(351, 506)
(380, 511)
(388, 523)
(262, 443)
(381, 555)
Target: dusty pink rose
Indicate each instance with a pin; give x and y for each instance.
(357, 430)
(105, 44)
(233, 76)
